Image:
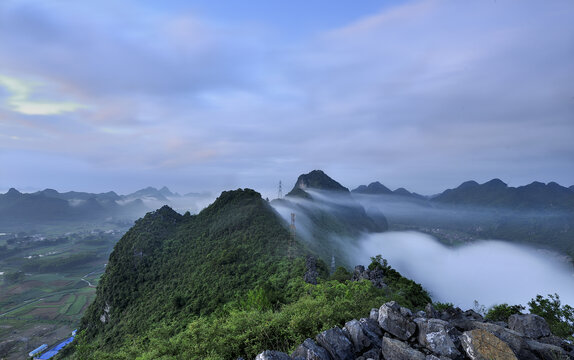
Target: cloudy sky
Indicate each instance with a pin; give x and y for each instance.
(203, 95)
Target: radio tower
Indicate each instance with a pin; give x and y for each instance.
(280, 192)
(291, 237)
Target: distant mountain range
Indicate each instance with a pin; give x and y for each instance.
(376, 188)
(51, 205)
(494, 193)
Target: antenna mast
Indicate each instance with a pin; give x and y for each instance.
(280, 192)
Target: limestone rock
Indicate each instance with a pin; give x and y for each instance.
(397, 350)
(393, 321)
(355, 333)
(309, 350)
(311, 273)
(511, 337)
(433, 334)
(482, 345)
(336, 343)
(430, 311)
(272, 355)
(547, 351)
(372, 331)
(530, 325)
(374, 314)
(376, 276)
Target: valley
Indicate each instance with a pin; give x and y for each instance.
(49, 279)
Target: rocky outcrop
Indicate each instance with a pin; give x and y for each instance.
(530, 325)
(311, 273)
(480, 344)
(393, 332)
(374, 276)
(310, 350)
(337, 344)
(398, 350)
(395, 321)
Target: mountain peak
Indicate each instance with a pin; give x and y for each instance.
(13, 192)
(495, 183)
(373, 188)
(468, 184)
(166, 192)
(317, 179)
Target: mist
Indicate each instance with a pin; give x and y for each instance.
(488, 271)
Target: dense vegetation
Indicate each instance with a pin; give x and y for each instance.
(219, 284)
(176, 267)
(246, 326)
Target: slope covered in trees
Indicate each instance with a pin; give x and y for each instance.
(218, 285)
(176, 266)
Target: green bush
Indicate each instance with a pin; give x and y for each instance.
(559, 318)
(440, 306)
(502, 312)
(341, 275)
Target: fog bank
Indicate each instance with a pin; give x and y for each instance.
(489, 271)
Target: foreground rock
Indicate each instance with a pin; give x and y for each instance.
(480, 344)
(530, 325)
(395, 321)
(393, 332)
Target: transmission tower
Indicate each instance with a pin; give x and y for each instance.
(333, 264)
(280, 192)
(290, 249)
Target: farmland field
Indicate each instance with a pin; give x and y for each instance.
(48, 281)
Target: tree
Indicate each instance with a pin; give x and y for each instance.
(559, 318)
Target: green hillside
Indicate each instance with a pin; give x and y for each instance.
(174, 266)
(218, 285)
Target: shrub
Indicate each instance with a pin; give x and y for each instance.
(559, 318)
(502, 312)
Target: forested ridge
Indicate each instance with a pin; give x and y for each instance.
(219, 285)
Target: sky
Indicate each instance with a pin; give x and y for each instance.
(208, 96)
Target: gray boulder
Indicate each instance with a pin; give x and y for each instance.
(529, 325)
(374, 314)
(272, 355)
(430, 311)
(373, 354)
(547, 351)
(433, 335)
(309, 350)
(354, 331)
(336, 343)
(393, 321)
(397, 350)
(372, 331)
(511, 337)
(481, 345)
